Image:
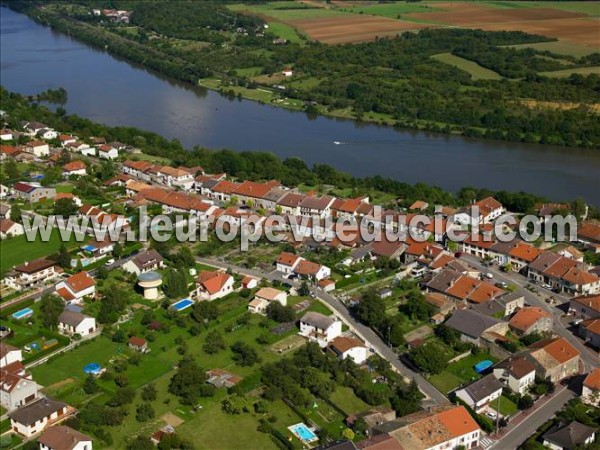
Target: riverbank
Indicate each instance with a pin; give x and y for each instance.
(425, 98)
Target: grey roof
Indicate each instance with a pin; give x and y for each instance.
(338, 445)
(360, 252)
(31, 413)
(316, 203)
(291, 199)
(569, 435)
(444, 280)
(504, 247)
(275, 194)
(518, 366)
(317, 320)
(489, 308)
(71, 318)
(544, 261)
(483, 388)
(470, 322)
(209, 184)
(147, 258)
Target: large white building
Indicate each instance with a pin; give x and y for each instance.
(320, 328)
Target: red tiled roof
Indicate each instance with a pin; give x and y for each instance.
(589, 301)
(253, 189)
(80, 281)
(526, 317)
(74, 165)
(306, 267)
(558, 348)
(592, 381)
(137, 341)
(213, 282)
(287, 259)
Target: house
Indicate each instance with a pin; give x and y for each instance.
(99, 248)
(17, 388)
(6, 135)
(145, 261)
(38, 148)
(7, 151)
(484, 211)
(440, 303)
(590, 393)
(249, 282)
(77, 168)
(222, 378)
(554, 359)
(372, 417)
(33, 192)
(287, 262)
(316, 206)
(107, 152)
(588, 232)
(443, 427)
(418, 205)
(31, 273)
(170, 176)
(211, 285)
(31, 128)
(76, 287)
(463, 287)
(385, 293)
(138, 344)
(8, 228)
(320, 328)
(64, 438)
(585, 306)
(66, 139)
(589, 330)
(272, 295)
(503, 306)
(473, 327)
(287, 72)
(9, 354)
(290, 203)
(312, 271)
(37, 416)
(531, 319)
(569, 436)
(479, 394)
(71, 322)
(327, 284)
(47, 133)
(252, 193)
(348, 347)
(4, 208)
(517, 373)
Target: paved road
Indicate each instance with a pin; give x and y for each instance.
(368, 335)
(535, 418)
(589, 358)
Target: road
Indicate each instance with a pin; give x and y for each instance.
(518, 434)
(589, 358)
(369, 336)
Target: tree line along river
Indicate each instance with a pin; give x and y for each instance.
(114, 92)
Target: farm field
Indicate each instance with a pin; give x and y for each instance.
(476, 71)
(559, 47)
(568, 72)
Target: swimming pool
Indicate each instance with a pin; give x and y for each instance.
(302, 432)
(482, 366)
(182, 304)
(23, 314)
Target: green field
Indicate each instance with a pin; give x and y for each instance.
(392, 10)
(591, 8)
(459, 373)
(285, 31)
(559, 47)
(284, 11)
(568, 72)
(17, 250)
(506, 407)
(475, 70)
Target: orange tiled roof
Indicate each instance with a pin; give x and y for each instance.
(287, 259)
(80, 281)
(579, 277)
(307, 267)
(213, 282)
(558, 348)
(589, 301)
(592, 381)
(74, 165)
(526, 317)
(525, 252)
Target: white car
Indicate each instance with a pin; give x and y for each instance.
(547, 286)
(489, 275)
(491, 414)
(109, 262)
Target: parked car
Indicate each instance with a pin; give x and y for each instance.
(547, 286)
(491, 414)
(489, 275)
(109, 262)
(502, 284)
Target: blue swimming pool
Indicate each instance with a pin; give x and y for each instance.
(303, 433)
(23, 314)
(483, 365)
(92, 368)
(182, 304)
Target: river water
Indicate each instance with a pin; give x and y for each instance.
(107, 90)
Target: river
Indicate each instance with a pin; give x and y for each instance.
(114, 92)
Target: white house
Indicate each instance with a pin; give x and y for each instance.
(38, 148)
(264, 297)
(36, 416)
(31, 273)
(76, 287)
(107, 152)
(47, 133)
(9, 354)
(590, 393)
(211, 285)
(249, 282)
(61, 437)
(515, 372)
(287, 262)
(320, 328)
(348, 347)
(312, 271)
(71, 322)
(16, 386)
(145, 261)
(6, 135)
(479, 394)
(8, 228)
(74, 168)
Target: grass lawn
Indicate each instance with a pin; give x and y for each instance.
(17, 250)
(567, 72)
(458, 373)
(507, 407)
(64, 187)
(475, 70)
(345, 399)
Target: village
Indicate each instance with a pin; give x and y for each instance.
(313, 341)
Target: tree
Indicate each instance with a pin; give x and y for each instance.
(279, 313)
(141, 443)
(149, 393)
(214, 343)
(415, 307)
(184, 258)
(525, 402)
(448, 335)
(348, 434)
(235, 404)
(304, 289)
(175, 284)
(144, 412)
(430, 358)
(244, 354)
(89, 385)
(51, 306)
(117, 250)
(65, 207)
(204, 312)
(187, 382)
(16, 214)
(407, 399)
(371, 310)
(64, 257)
(11, 170)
